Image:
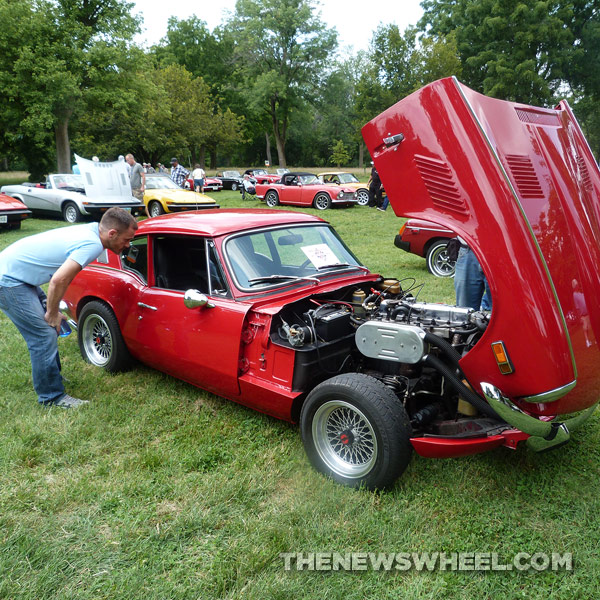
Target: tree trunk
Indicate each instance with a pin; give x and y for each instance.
(213, 157)
(279, 139)
(268, 148)
(63, 145)
(202, 157)
(361, 154)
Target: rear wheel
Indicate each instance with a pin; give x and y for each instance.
(322, 201)
(355, 430)
(272, 198)
(71, 212)
(100, 339)
(438, 263)
(155, 209)
(362, 197)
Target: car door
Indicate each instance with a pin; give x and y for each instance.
(199, 345)
(40, 198)
(291, 190)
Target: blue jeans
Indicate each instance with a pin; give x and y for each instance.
(471, 286)
(23, 306)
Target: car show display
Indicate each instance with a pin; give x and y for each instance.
(305, 189)
(231, 180)
(99, 186)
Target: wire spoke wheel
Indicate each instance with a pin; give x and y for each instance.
(97, 340)
(344, 439)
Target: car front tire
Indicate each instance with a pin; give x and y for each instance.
(100, 339)
(438, 263)
(322, 201)
(234, 187)
(155, 209)
(355, 430)
(363, 197)
(272, 199)
(71, 212)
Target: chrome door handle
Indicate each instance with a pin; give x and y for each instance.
(142, 305)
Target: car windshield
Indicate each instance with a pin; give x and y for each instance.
(347, 178)
(161, 183)
(68, 181)
(231, 174)
(282, 171)
(308, 179)
(259, 172)
(278, 256)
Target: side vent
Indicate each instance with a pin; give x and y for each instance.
(586, 180)
(547, 119)
(526, 179)
(440, 184)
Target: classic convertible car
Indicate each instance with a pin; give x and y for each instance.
(163, 195)
(97, 188)
(347, 180)
(211, 184)
(231, 180)
(305, 189)
(270, 309)
(12, 212)
(262, 176)
(428, 240)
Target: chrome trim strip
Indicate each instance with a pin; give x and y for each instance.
(525, 219)
(551, 395)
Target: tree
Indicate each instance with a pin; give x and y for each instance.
(53, 55)
(520, 50)
(339, 154)
(282, 48)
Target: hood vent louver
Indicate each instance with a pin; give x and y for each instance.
(524, 175)
(586, 180)
(544, 119)
(440, 184)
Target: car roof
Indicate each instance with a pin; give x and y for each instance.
(335, 173)
(214, 222)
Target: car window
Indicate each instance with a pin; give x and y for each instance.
(285, 251)
(161, 183)
(347, 178)
(135, 258)
(181, 263)
(309, 179)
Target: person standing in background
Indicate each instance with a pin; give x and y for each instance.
(178, 173)
(198, 175)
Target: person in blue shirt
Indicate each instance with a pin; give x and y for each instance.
(54, 257)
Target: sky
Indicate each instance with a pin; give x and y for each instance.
(355, 20)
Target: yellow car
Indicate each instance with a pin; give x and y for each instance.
(162, 195)
(347, 180)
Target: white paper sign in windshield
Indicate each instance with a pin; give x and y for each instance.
(320, 255)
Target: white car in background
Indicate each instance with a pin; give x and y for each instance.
(100, 186)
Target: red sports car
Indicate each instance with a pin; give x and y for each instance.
(270, 309)
(305, 189)
(262, 176)
(428, 240)
(211, 184)
(12, 212)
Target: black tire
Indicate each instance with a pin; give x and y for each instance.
(100, 339)
(272, 198)
(355, 430)
(438, 263)
(71, 212)
(363, 197)
(322, 201)
(234, 187)
(155, 208)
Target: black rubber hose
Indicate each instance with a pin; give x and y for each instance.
(468, 394)
(449, 350)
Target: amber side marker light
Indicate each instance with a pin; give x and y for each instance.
(502, 359)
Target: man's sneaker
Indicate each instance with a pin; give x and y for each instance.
(69, 402)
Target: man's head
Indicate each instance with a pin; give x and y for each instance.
(174, 162)
(130, 160)
(117, 228)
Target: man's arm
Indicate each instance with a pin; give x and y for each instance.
(58, 286)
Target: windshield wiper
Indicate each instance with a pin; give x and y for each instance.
(342, 266)
(281, 277)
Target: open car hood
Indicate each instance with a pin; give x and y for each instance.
(521, 186)
(105, 181)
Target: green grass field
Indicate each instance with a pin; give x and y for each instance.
(158, 490)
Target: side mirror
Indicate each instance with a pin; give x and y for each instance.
(195, 299)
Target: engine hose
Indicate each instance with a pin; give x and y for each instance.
(468, 394)
(450, 351)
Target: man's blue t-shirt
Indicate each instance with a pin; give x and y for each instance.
(36, 258)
